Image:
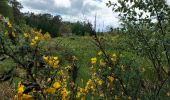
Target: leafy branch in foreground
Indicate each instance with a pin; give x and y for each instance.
(145, 28)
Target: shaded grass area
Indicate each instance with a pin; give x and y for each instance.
(6, 65)
(6, 89)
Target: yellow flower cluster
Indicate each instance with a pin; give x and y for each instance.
(90, 86)
(64, 93)
(93, 85)
(20, 88)
(47, 36)
(51, 61)
(93, 60)
(110, 79)
(74, 58)
(36, 37)
(80, 93)
(26, 35)
(61, 90)
(53, 89)
(99, 53)
(117, 97)
(102, 62)
(13, 34)
(129, 98)
(37, 33)
(34, 41)
(113, 58)
(9, 24)
(56, 85)
(21, 95)
(100, 82)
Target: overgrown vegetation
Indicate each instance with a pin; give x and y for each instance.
(132, 65)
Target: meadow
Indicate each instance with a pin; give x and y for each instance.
(83, 47)
(45, 58)
(79, 51)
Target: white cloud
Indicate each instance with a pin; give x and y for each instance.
(73, 10)
(62, 3)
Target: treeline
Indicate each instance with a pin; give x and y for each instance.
(44, 22)
(55, 26)
(5, 9)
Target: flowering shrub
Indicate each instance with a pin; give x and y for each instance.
(117, 75)
(43, 73)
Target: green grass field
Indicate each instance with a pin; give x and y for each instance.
(83, 48)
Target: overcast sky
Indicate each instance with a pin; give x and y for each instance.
(73, 10)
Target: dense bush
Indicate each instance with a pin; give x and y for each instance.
(145, 32)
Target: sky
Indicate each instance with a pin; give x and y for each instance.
(74, 10)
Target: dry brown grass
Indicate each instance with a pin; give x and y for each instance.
(7, 92)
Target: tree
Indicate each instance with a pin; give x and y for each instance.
(5, 9)
(110, 29)
(80, 28)
(16, 7)
(146, 28)
(45, 22)
(55, 25)
(65, 29)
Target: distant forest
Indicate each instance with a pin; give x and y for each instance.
(44, 22)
